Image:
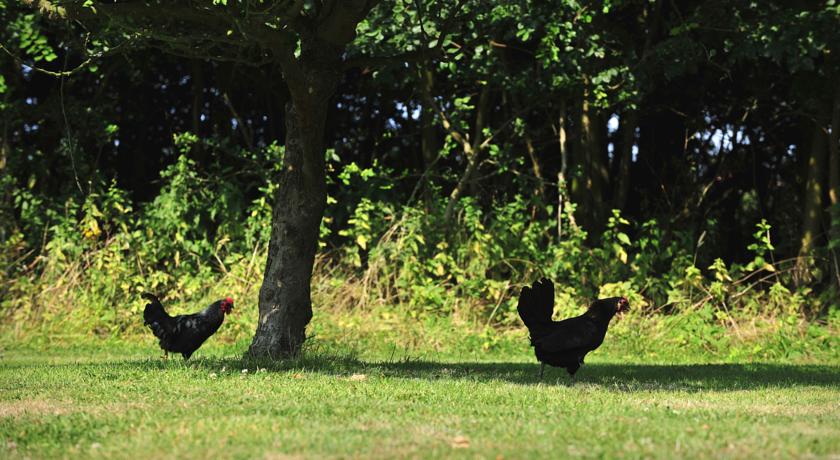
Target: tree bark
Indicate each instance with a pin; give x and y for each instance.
(197, 73)
(834, 185)
(285, 306)
(5, 195)
(428, 132)
(813, 208)
(429, 142)
(472, 152)
(198, 95)
(590, 190)
(5, 146)
(284, 303)
(529, 146)
(627, 138)
(562, 188)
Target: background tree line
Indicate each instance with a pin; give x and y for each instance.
(686, 152)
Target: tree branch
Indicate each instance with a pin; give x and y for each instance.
(63, 73)
(421, 55)
(164, 22)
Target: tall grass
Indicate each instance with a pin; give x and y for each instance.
(393, 270)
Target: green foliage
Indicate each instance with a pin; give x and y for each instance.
(761, 247)
(198, 241)
(26, 32)
(100, 254)
(87, 223)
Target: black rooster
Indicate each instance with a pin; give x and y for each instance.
(564, 343)
(184, 333)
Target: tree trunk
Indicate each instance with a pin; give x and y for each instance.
(5, 147)
(430, 145)
(813, 208)
(285, 306)
(595, 173)
(529, 146)
(284, 303)
(834, 185)
(429, 142)
(197, 74)
(198, 95)
(562, 188)
(661, 156)
(627, 138)
(472, 152)
(5, 193)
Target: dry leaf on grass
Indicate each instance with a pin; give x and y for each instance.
(357, 377)
(460, 442)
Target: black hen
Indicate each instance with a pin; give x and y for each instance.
(564, 343)
(184, 333)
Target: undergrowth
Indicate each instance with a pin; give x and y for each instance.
(390, 273)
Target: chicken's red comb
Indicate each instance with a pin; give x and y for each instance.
(228, 300)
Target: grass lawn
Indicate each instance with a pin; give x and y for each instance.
(117, 400)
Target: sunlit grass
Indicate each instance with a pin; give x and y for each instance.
(118, 400)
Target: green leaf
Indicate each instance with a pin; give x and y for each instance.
(623, 238)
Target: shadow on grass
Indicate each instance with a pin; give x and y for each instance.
(619, 376)
(612, 376)
(634, 377)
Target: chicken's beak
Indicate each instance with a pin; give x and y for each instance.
(623, 305)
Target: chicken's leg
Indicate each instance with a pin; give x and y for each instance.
(542, 368)
(165, 355)
(572, 371)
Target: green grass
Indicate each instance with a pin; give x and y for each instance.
(118, 400)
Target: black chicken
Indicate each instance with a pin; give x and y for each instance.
(564, 343)
(184, 333)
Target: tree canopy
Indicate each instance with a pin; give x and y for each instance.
(700, 127)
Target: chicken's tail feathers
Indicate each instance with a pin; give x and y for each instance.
(156, 317)
(536, 305)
